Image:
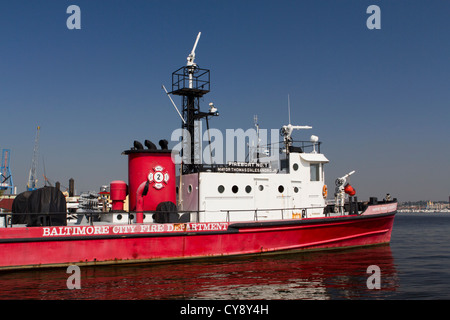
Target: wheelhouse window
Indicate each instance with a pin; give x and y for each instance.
(315, 171)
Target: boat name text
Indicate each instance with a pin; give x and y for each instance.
(133, 229)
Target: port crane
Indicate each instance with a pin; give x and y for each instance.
(6, 180)
(32, 178)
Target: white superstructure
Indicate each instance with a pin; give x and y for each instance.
(293, 190)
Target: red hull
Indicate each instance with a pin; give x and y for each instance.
(113, 244)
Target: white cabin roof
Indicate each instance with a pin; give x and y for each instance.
(314, 157)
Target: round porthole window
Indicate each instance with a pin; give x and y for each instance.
(221, 189)
(235, 189)
(261, 187)
(280, 189)
(248, 189)
(295, 189)
(295, 166)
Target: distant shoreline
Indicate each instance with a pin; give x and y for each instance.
(423, 211)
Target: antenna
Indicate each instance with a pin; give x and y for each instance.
(191, 56)
(289, 109)
(174, 104)
(258, 140)
(190, 62)
(32, 179)
(286, 130)
(255, 120)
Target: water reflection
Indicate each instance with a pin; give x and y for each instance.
(317, 275)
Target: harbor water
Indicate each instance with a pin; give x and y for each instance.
(416, 265)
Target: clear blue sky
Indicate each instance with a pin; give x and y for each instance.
(379, 100)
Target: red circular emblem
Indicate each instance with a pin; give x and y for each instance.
(159, 177)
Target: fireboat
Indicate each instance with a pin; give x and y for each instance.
(199, 211)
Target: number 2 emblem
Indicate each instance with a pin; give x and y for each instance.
(160, 177)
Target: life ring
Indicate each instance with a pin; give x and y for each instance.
(324, 191)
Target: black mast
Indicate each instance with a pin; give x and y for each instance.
(191, 83)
